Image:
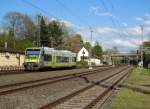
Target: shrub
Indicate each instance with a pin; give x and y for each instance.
(82, 63)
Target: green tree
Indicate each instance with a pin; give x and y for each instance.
(56, 34)
(44, 39)
(5, 37)
(146, 54)
(22, 44)
(97, 51)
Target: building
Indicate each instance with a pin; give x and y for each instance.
(96, 62)
(83, 54)
(11, 57)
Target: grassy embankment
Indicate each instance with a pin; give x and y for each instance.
(135, 93)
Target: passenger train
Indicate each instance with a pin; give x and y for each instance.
(44, 57)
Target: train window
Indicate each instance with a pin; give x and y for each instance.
(58, 59)
(33, 51)
(65, 59)
(47, 57)
(73, 59)
(61, 59)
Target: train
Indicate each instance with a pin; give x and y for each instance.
(37, 58)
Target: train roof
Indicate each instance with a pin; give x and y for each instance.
(64, 53)
(48, 50)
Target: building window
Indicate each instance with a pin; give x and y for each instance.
(84, 57)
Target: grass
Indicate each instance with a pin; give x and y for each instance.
(135, 93)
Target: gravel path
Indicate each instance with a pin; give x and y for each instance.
(39, 96)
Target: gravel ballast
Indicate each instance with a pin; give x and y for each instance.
(37, 97)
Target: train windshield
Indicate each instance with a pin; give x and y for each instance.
(32, 53)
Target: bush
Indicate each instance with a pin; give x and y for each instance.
(105, 63)
(82, 64)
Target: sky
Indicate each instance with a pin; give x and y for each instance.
(114, 22)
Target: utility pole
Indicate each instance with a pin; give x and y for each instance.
(5, 44)
(39, 31)
(141, 46)
(14, 33)
(90, 54)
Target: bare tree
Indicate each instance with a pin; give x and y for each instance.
(19, 25)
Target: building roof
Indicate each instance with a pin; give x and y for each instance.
(83, 49)
(10, 50)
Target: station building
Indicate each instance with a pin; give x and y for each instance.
(83, 54)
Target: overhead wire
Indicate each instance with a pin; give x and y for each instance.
(73, 14)
(111, 4)
(116, 20)
(40, 9)
(50, 14)
(111, 17)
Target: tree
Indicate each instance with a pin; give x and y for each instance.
(4, 37)
(56, 34)
(44, 39)
(30, 28)
(19, 26)
(87, 45)
(97, 51)
(112, 50)
(74, 43)
(146, 54)
(146, 44)
(22, 44)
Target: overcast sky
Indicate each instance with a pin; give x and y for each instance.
(114, 22)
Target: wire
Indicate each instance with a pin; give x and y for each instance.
(71, 12)
(111, 4)
(40, 9)
(112, 19)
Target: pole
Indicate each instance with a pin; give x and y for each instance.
(90, 54)
(39, 31)
(141, 46)
(14, 32)
(5, 44)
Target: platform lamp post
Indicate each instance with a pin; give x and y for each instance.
(90, 54)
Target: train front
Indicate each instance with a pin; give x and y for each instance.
(32, 59)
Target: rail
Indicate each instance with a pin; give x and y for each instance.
(75, 93)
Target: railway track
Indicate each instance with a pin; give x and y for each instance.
(14, 87)
(88, 96)
(8, 71)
